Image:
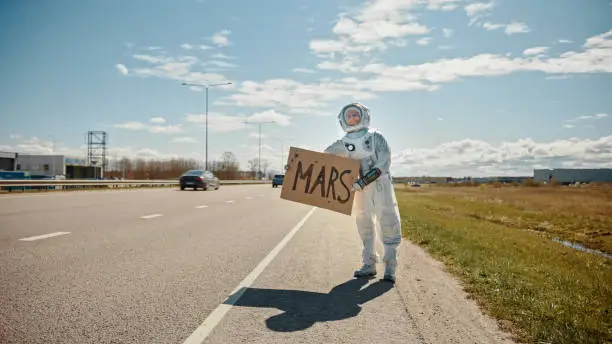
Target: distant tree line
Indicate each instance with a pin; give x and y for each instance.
(225, 168)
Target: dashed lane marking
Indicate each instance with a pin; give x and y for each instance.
(44, 236)
(146, 217)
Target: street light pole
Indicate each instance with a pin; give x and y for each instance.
(206, 86)
(53, 155)
(282, 142)
(259, 158)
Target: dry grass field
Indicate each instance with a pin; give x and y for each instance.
(500, 241)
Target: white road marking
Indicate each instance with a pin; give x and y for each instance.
(249, 197)
(218, 313)
(44, 236)
(146, 217)
(202, 206)
(230, 201)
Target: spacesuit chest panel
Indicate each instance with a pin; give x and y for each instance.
(360, 147)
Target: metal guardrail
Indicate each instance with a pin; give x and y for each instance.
(76, 184)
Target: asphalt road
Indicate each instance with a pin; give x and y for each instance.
(236, 265)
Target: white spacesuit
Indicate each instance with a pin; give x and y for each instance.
(374, 191)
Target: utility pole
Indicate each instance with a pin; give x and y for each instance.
(259, 158)
(53, 156)
(282, 142)
(206, 86)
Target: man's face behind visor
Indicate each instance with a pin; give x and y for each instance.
(352, 116)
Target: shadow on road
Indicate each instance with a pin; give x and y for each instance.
(302, 309)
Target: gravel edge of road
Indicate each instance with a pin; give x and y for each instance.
(438, 304)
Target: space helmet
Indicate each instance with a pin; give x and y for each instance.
(349, 111)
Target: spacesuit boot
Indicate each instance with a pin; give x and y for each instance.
(367, 270)
(390, 271)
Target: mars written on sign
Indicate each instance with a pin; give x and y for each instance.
(320, 179)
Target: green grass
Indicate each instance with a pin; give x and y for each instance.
(539, 290)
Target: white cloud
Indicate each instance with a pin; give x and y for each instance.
(479, 158)
(159, 120)
(490, 27)
(218, 122)
(587, 117)
(269, 115)
(294, 97)
(516, 27)
(36, 145)
(595, 57)
(180, 68)
(423, 41)
(558, 77)
(303, 70)
(565, 41)
(535, 51)
(221, 64)
(166, 129)
(364, 81)
(448, 32)
(374, 27)
(131, 125)
(156, 129)
(478, 10)
(121, 69)
(187, 46)
(510, 29)
(443, 5)
(220, 56)
(220, 38)
(184, 139)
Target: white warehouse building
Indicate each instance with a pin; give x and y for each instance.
(51, 165)
(573, 175)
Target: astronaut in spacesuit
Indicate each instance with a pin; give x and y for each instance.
(374, 194)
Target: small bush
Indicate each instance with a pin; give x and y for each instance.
(530, 182)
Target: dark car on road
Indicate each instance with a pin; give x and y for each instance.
(199, 179)
(278, 180)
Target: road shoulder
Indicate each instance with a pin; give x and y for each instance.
(442, 310)
(308, 295)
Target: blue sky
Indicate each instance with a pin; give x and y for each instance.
(458, 87)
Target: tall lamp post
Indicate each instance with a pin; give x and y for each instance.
(53, 156)
(259, 158)
(282, 142)
(206, 86)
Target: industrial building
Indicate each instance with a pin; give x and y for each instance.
(571, 175)
(38, 165)
(7, 161)
(47, 165)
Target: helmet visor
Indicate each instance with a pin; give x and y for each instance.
(352, 116)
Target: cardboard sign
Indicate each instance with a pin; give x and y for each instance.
(320, 179)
